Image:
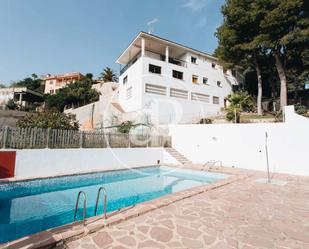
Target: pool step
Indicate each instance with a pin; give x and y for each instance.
(178, 156)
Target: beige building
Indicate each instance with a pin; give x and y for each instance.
(56, 82)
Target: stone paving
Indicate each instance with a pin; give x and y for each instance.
(244, 214)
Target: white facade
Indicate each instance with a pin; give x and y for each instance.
(148, 83)
(244, 145)
(74, 161)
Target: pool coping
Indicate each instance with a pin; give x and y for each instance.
(27, 179)
(70, 232)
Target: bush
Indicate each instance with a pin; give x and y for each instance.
(11, 105)
(301, 109)
(50, 119)
(239, 102)
(125, 127)
(230, 115)
(206, 121)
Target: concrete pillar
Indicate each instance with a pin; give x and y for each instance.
(20, 98)
(166, 53)
(143, 47)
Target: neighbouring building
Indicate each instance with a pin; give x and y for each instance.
(55, 82)
(167, 82)
(102, 113)
(22, 96)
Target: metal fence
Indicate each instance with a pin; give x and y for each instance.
(38, 138)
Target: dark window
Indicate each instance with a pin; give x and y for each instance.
(193, 59)
(224, 71)
(205, 80)
(154, 69)
(125, 79)
(215, 100)
(177, 74)
(213, 65)
(219, 84)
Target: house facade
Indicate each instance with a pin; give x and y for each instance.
(56, 82)
(22, 96)
(167, 82)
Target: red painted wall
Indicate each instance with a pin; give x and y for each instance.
(7, 164)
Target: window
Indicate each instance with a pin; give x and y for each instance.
(178, 93)
(205, 80)
(51, 91)
(215, 100)
(219, 84)
(224, 71)
(213, 65)
(129, 93)
(154, 69)
(125, 79)
(155, 89)
(177, 74)
(194, 79)
(51, 82)
(193, 60)
(200, 97)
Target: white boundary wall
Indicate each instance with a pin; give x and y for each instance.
(32, 163)
(243, 145)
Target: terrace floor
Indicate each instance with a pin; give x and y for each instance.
(244, 214)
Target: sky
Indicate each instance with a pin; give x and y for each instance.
(59, 36)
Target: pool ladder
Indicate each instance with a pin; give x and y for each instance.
(85, 203)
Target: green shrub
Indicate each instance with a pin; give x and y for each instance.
(205, 121)
(11, 105)
(49, 119)
(125, 127)
(301, 109)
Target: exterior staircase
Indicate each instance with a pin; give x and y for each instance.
(178, 156)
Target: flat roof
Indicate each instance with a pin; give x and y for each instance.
(147, 35)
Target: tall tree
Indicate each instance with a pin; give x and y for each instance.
(284, 22)
(237, 45)
(74, 94)
(108, 75)
(32, 83)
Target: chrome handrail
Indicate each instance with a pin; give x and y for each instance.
(97, 201)
(84, 206)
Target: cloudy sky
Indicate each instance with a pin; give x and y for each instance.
(58, 36)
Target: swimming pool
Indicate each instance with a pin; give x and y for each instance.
(28, 207)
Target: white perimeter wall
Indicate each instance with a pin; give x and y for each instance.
(50, 162)
(243, 145)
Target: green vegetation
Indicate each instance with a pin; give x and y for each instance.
(75, 94)
(239, 102)
(11, 105)
(301, 110)
(49, 119)
(205, 121)
(32, 83)
(125, 127)
(269, 38)
(108, 75)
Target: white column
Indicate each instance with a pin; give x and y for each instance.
(143, 47)
(20, 98)
(166, 53)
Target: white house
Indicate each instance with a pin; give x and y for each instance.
(167, 82)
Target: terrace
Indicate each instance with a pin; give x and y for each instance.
(240, 212)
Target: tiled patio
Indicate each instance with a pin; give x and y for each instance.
(244, 214)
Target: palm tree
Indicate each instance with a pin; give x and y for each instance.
(108, 75)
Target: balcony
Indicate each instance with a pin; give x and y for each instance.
(156, 56)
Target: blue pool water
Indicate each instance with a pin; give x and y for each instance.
(31, 206)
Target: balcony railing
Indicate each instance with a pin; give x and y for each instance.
(156, 56)
(131, 62)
